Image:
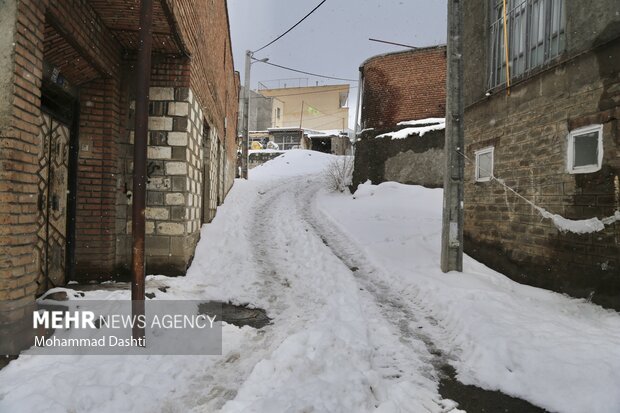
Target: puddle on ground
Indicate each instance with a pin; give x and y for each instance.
(476, 400)
(237, 315)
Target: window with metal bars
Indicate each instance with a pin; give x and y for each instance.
(535, 31)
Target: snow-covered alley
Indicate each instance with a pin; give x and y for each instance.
(362, 318)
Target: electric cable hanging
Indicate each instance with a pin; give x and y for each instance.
(594, 224)
(306, 73)
(286, 32)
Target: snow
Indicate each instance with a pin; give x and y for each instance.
(251, 151)
(358, 307)
(582, 226)
(432, 124)
(426, 121)
(557, 352)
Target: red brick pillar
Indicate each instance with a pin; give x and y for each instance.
(97, 180)
(21, 28)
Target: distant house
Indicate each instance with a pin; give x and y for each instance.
(312, 107)
(311, 117)
(401, 111)
(276, 141)
(265, 112)
(542, 134)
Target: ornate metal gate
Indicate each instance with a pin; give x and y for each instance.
(54, 139)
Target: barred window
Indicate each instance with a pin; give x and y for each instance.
(536, 35)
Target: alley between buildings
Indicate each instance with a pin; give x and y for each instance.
(361, 318)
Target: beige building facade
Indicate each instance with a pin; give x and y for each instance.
(313, 107)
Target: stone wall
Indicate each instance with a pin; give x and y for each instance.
(175, 182)
(259, 158)
(415, 160)
(528, 131)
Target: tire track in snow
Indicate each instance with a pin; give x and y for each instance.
(407, 319)
(222, 380)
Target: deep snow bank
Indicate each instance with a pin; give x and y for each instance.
(555, 351)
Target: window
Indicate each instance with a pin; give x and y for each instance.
(287, 141)
(278, 113)
(535, 36)
(484, 164)
(585, 149)
(344, 98)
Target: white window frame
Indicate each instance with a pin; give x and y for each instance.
(484, 151)
(570, 158)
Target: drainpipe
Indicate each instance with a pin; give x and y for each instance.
(143, 77)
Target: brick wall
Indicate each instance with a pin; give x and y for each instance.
(70, 36)
(528, 130)
(403, 86)
(97, 172)
(212, 75)
(20, 82)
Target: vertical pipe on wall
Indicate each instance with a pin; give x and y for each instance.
(143, 75)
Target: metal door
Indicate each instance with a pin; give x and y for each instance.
(54, 139)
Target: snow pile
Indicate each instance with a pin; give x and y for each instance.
(338, 342)
(558, 352)
(430, 124)
(293, 163)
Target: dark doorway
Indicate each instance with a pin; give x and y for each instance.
(57, 185)
(322, 145)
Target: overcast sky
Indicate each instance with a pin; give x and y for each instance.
(334, 40)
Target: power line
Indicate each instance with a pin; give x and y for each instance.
(306, 73)
(295, 25)
(395, 44)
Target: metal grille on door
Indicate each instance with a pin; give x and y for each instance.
(52, 203)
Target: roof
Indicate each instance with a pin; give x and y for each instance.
(122, 18)
(410, 51)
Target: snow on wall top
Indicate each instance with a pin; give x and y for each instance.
(431, 124)
(422, 121)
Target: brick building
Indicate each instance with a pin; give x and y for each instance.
(397, 88)
(66, 119)
(554, 139)
(403, 86)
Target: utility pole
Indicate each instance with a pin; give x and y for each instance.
(452, 229)
(143, 77)
(245, 146)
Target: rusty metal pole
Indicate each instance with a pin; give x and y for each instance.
(143, 77)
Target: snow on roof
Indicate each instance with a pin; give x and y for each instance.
(418, 130)
(326, 133)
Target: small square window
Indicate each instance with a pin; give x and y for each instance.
(344, 99)
(484, 164)
(585, 150)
